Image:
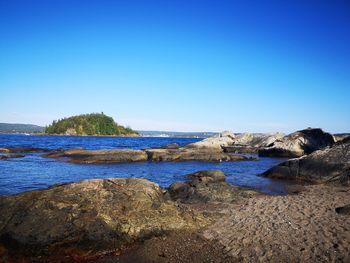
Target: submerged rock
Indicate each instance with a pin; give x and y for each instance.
(22, 150)
(10, 156)
(331, 164)
(298, 144)
(90, 215)
(207, 186)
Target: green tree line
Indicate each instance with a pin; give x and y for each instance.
(88, 124)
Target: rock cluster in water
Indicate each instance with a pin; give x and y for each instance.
(331, 164)
(298, 144)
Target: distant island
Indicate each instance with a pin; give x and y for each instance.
(13, 128)
(89, 124)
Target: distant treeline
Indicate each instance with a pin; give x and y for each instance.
(20, 128)
(88, 124)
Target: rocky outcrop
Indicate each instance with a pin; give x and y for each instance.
(257, 140)
(22, 150)
(252, 142)
(80, 155)
(188, 154)
(298, 144)
(207, 186)
(90, 215)
(331, 164)
(216, 142)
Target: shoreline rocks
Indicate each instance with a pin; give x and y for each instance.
(216, 142)
(90, 215)
(331, 164)
(298, 144)
(80, 155)
(22, 150)
(206, 187)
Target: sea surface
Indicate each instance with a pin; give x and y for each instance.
(35, 172)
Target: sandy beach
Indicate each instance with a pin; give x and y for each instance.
(300, 227)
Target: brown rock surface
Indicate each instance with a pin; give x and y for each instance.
(208, 186)
(216, 142)
(80, 155)
(90, 215)
(22, 150)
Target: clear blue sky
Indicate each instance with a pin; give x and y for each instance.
(178, 65)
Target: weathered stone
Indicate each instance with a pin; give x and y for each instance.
(331, 164)
(298, 144)
(211, 176)
(257, 140)
(252, 142)
(188, 154)
(22, 149)
(92, 214)
(9, 156)
(99, 156)
(171, 146)
(216, 142)
(205, 187)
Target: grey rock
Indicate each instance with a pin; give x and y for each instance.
(216, 142)
(298, 144)
(331, 164)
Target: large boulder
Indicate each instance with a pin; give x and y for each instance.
(298, 144)
(216, 142)
(80, 155)
(90, 215)
(252, 142)
(257, 139)
(331, 164)
(207, 187)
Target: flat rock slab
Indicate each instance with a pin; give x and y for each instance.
(98, 156)
(22, 150)
(155, 155)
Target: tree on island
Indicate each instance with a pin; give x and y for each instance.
(89, 124)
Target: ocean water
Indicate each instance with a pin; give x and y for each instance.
(35, 172)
